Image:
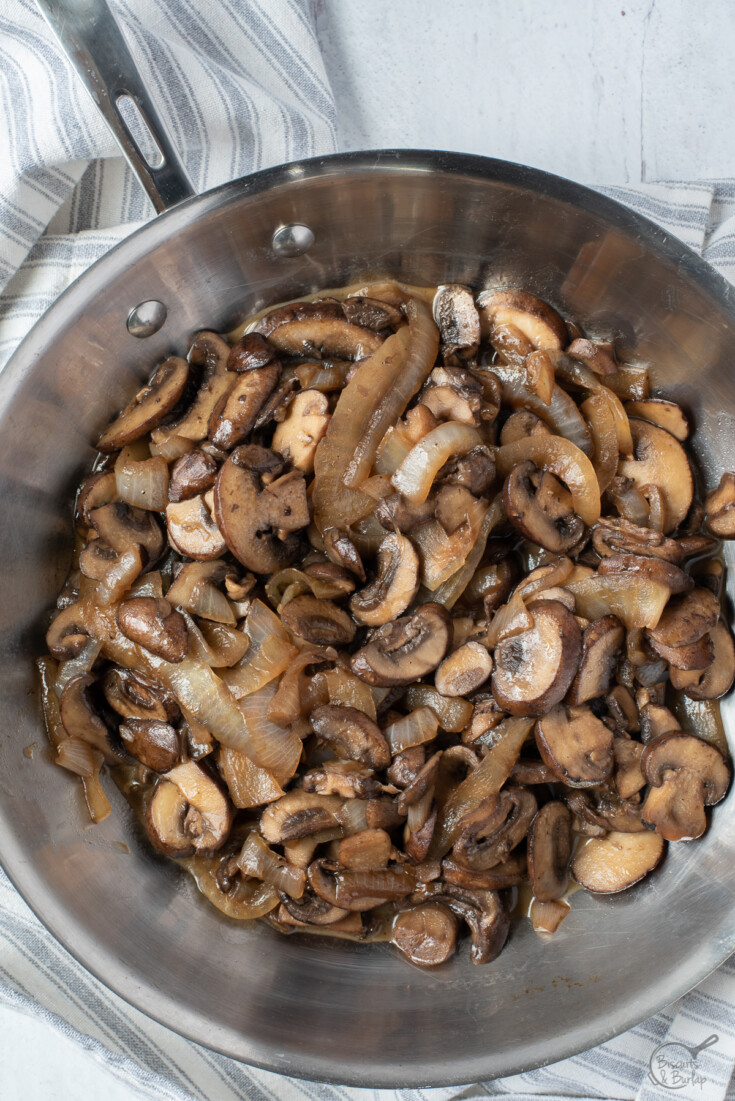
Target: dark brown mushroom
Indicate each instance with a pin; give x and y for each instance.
(234, 416)
(458, 322)
(406, 766)
(310, 909)
(396, 511)
(530, 773)
(601, 644)
(593, 355)
(616, 535)
(253, 506)
(653, 569)
(407, 649)
(351, 734)
(426, 935)
(511, 872)
(540, 506)
(697, 655)
(325, 337)
(155, 625)
(606, 865)
(352, 889)
(209, 352)
(686, 775)
(717, 679)
(133, 696)
(482, 911)
(464, 670)
(383, 814)
(81, 720)
(719, 507)
(371, 313)
(149, 406)
(533, 318)
(121, 526)
(534, 669)
(421, 785)
(659, 460)
(475, 471)
(298, 814)
(549, 851)
(346, 778)
(685, 619)
(576, 745)
(318, 621)
(489, 834)
(621, 705)
(152, 742)
(395, 584)
(249, 353)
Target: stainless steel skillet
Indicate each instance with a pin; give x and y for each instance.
(338, 1012)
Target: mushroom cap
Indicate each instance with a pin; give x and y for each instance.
(318, 621)
(154, 624)
(534, 669)
(407, 649)
(395, 585)
(601, 645)
(606, 865)
(192, 474)
(325, 337)
(149, 406)
(351, 734)
(67, 635)
(426, 934)
(133, 696)
(549, 850)
(458, 321)
(250, 352)
(234, 416)
(686, 775)
(152, 742)
(532, 317)
(576, 745)
(686, 618)
(661, 461)
(614, 535)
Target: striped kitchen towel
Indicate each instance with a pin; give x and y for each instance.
(240, 90)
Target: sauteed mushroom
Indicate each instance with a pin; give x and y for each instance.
(549, 850)
(406, 650)
(686, 775)
(534, 669)
(149, 406)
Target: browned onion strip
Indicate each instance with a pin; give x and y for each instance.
(604, 437)
(562, 458)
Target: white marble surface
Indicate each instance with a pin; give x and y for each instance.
(603, 91)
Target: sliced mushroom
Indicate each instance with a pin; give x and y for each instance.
(511, 872)
(716, 680)
(719, 507)
(464, 670)
(155, 625)
(666, 414)
(534, 669)
(621, 706)
(489, 834)
(427, 935)
(80, 719)
(67, 636)
(342, 552)
(152, 742)
(252, 505)
(192, 530)
(593, 355)
(529, 773)
(475, 471)
(351, 889)
(395, 585)
(234, 416)
(396, 511)
(540, 506)
(523, 423)
(149, 406)
(660, 460)
(365, 849)
(686, 775)
(483, 912)
(601, 644)
(164, 821)
(325, 337)
(298, 814)
(606, 865)
(549, 851)
(458, 322)
(345, 778)
(686, 619)
(371, 313)
(121, 527)
(453, 506)
(209, 816)
(629, 778)
(312, 910)
(210, 352)
(318, 621)
(576, 745)
(533, 318)
(697, 655)
(132, 696)
(299, 433)
(249, 353)
(191, 475)
(652, 569)
(351, 734)
(407, 649)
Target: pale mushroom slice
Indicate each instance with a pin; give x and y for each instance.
(234, 415)
(464, 670)
(154, 624)
(549, 851)
(666, 414)
(121, 526)
(405, 650)
(426, 934)
(350, 733)
(257, 511)
(576, 745)
(686, 775)
(149, 406)
(319, 622)
(607, 865)
(488, 835)
(540, 506)
(297, 436)
(395, 584)
(602, 643)
(659, 459)
(717, 679)
(523, 423)
(719, 507)
(208, 818)
(458, 322)
(534, 318)
(534, 669)
(164, 821)
(80, 718)
(192, 529)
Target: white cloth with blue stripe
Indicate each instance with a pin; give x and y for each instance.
(242, 88)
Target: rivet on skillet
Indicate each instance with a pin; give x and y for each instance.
(292, 240)
(146, 318)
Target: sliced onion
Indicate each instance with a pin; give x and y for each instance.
(249, 785)
(77, 756)
(487, 779)
(415, 476)
(287, 704)
(218, 646)
(143, 484)
(97, 802)
(257, 860)
(120, 576)
(172, 447)
(196, 591)
(637, 601)
(562, 458)
(245, 902)
(449, 592)
(453, 712)
(630, 501)
(442, 555)
(344, 689)
(367, 534)
(277, 748)
(416, 728)
(269, 652)
(510, 619)
(629, 382)
(547, 576)
(150, 584)
(48, 668)
(393, 449)
(77, 666)
(352, 816)
(546, 917)
(561, 413)
(604, 437)
(373, 400)
(322, 376)
(292, 582)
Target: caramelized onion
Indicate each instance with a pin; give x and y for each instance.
(415, 476)
(78, 756)
(258, 860)
(244, 902)
(449, 592)
(560, 413)
(343, 688)
(637, 601)
(452, 712)
(219, 646)
(248, 785)
(143, 484)
(442, 555)
(416, 728)
(563, 459)
(277, 748)
(268, 654)
(604, 437)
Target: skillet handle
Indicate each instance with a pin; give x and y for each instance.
(91, 39)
